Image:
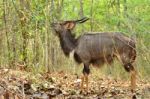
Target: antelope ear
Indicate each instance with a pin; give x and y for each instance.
(69, 25)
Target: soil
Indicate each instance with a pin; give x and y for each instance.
(19, 84)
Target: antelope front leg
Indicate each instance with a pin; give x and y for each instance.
(86, 81)
(82, 82)
(86, 72)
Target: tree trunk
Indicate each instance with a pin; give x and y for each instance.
(23, 23)
(81, 13)
(118, 13)
(91, 21)
(6, 32)
(125, 8)
(36, 46)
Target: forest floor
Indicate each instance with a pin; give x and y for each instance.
(19, 84)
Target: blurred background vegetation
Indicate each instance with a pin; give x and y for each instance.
(26, 38)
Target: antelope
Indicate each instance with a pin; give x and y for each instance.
(97, 49)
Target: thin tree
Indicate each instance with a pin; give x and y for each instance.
(23, 22)
(91, 12)
(125, 8)
(118, 12)
(5, 27)
(81, 13)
